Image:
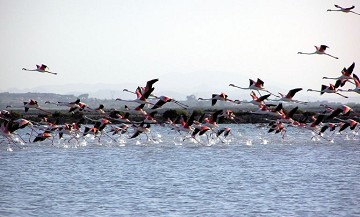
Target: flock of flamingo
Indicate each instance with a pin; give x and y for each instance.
(115, 124)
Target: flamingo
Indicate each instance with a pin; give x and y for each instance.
(254, 85)
(138, 110)
(289, 116)
(186, 126)
(344, 110)
(142, 98)
(42, 136)
(345, 10)
(164, 99)
(119, 129)
(215, 97)
(212, 121)
(149, 118)
(320, 50)
(7, 131)
(348, 123)
(141, 129)
(67, 129)
(265, 110)
(329, 89)
(91, 130)
(357, 85)
(345, 75)
(121, 118)
(277, 127)
(76, 105)
(99, 124)
(8, 128)
(330, 126)
(200, 130)
(256, 100)
(225, 130)
(289, 96)
(149, 86)
(41, 68)
(314, 125)
(33, 104)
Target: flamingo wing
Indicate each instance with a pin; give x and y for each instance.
(264, 97)
(323, 48)
(292, 112)
(150, 83)
(292, 92)
(349, 8)
(337, 6)
(260, 82)
(158, 104)
(350, 69)
(356, 80)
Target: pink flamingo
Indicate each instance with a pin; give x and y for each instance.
(41, 68)
(320, 50)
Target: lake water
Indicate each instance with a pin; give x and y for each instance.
(252, 174)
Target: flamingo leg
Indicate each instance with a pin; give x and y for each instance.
(342, 95)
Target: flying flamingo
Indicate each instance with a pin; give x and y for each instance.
(345, 75)
(225, 131)
(161, 100)
(348, 123)
(342, 110)
(315, 124)
(141, 129)
(149, 118)
(329, 89)
(42, 136)
(121, 129)
(8, 128)
(76, 105)
(277, 127)
(265, 110)
(254, 85)
(186, 125)
(121, 118)
(200, 130)
(215, 97)
(142, 98)
(143, 90)
(138, 110)
(319, 50)
(357, 85)
(289, 96)
(164, 99)
(33, 104)
(289, 116)
(345, 10)
(330, 126)
(41, 68)
(255, 100)
(212, 121)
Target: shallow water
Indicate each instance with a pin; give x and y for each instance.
(253, 173)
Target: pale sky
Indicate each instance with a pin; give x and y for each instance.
(193, 46)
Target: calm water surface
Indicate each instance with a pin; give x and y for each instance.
(253, 174)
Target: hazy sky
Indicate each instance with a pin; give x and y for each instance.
(192, 46)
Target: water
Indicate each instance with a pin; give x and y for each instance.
(253, 174)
